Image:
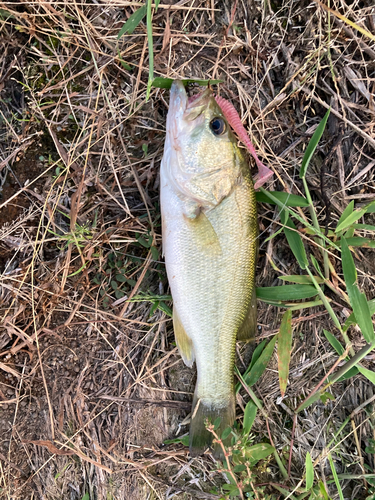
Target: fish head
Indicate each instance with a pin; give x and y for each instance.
(201, 157)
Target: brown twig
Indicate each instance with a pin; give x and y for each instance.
(226, 454)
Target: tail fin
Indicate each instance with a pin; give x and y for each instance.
(200, 437)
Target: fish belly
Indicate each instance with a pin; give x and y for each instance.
(210, 263)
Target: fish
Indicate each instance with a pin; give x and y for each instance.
(209, 237)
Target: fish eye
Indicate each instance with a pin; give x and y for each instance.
(218, 126)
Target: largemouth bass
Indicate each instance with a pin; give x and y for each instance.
(209, 226)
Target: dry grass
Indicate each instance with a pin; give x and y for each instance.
(92, 375)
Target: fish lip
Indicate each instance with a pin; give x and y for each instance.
(199, 100)
(180, 103)
(178, 99)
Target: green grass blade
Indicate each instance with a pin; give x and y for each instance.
(149, 298)
(349, 233)
(167, 310)
(132, 22)
(79, 270)
(249, 416)
(260, 365)
(4, 14)
(304, 305)
(340, 350)
(287, 199)
(334, 342)
(293, 306)
(325, 301)
(351, 219)
(300, 219)
(357, 241)
(352, 362)
(312, 145)
(348, 211)
(309, 472)
(301, 280)
(349, 374)
(65, 466)
(309, 401)
(251, 393)
(166, 83)
(316, 265)
(352, 321)
(294, 240)
(303, 495)
(284, 348)
(337, 482)
(369, 374)
(286, 292)
(276, 201)
(323, 396)
(284, 492)
(123, 63)
(183, 440)
(322, 491)
(338, 432)
(357, 299)
(368, 227)
(273, 235)
(257, 352)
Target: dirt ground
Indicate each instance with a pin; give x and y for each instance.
(91, 383)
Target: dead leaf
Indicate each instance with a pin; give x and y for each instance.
(167, 34)
(51, 447)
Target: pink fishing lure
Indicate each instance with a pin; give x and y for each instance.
(234, 121)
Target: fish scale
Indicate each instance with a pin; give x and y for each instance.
(210, 245)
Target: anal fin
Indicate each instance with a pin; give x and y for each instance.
(248, 328)
(183, 341)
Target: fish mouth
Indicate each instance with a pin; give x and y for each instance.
(178, 99)
(199, 100)
(187, 108)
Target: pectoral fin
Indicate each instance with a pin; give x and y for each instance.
(184, 343)
(248, 328)
(205, 237)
